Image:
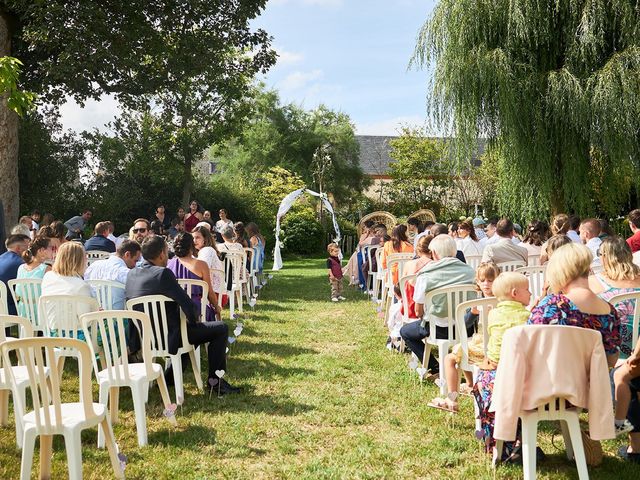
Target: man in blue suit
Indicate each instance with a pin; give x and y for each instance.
(10, 261)
(99, 241)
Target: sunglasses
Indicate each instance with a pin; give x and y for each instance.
(139, 230)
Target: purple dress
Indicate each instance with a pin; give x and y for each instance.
(180, 271)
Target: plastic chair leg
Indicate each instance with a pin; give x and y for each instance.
(443, 349)
(18, 413)
(73, 447)
(103, 397)
(164, 391)
(578, 447)
(176, 361)
(111, 447)
(232, 303)
(114, 403)
(529, 434)
(566, 435)
(239, 293)
(28, 446)
(46, 447)
(137, 394)
(196, 369)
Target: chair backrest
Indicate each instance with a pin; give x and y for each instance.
(473, 261)
(25, 293)
(483, 305)
(38, 354)
(252, 256)
(405, 300)
(62, 313)
(629, 302)
(4, 306)
(510, 266)
(398, 259)
(379, 260)
(104, 292)
(24, 331)
(95, 255)
(155, 307)
(449, 298)
(533, 260)
(105, 332)
(191, 286)
(536, 276)
(370, 260)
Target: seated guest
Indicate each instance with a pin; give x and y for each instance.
(353, 269)
(551, 245)
(206, 217)
(194, 216)
(490, 231)
(177, 226)
(185, 265)
(634, 225)
(512, 292)
(467, 242)
(399, 243)
(241, 235)
(572, 301)
(99, 241)
(75, 225)
(224, 221)
(590, 235)
(10, 261)
(116, 268)
(444, 271)
(153, 278)
(574, 225)
(35, 266)
(619, 275)
(162, 217)
(414, 229)
(256, 240)
(230, 244)
(66, 278)
(117, 241)
(208, 252)
(504, 250)
(156, 227)
(141, 229)
(440, 229)
(537, 234)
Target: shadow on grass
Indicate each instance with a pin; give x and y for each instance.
(265, 369)
(276, 349)
(183, 437)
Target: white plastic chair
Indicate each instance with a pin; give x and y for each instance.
(188, 286)
(633, 299)
(533, 260)
(405, 303)
(109, 327)
(61, 316)
(233, 264)
(4, 306)
(398, 260)
(104, 292)
(473, 261)
(21, 376)
(95, 255)
(155, 306)
(536, 276)
(379, 274)
(510, 266)
(455, 295)
(49, 415)
(25, 293)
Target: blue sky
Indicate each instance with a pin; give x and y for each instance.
(351, 55)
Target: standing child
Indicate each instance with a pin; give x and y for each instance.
(335, 272)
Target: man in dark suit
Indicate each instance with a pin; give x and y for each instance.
(10, 260)
(153, 278)
(99, 241)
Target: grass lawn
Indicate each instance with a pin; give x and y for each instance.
(322, 399)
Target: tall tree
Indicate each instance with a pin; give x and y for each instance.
(550, 82)
(85, 48)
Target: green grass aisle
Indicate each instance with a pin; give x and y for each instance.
(323, 399)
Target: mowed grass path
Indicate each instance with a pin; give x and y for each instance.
(322, 399)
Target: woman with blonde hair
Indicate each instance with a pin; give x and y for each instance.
(572, 301)
(66, 278)
(620, 275)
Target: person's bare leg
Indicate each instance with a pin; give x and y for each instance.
(451, 372)
(634, 443)
(621, 378)
(468, 377)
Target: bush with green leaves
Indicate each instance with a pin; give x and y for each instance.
(301, 233)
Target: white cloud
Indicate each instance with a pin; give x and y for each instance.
(94, 114)
(298, 80)
(390, 126)
(288, 58)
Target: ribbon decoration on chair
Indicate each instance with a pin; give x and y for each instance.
(285, 206)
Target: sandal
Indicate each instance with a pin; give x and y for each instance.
(445, 404)
(465, 389)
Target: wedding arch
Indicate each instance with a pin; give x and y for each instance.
(285, 205)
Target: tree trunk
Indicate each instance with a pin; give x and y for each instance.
(188, 179)
(9, 188)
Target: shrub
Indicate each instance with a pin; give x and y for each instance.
(301, 233)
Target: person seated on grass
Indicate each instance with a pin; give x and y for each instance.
(512, 292)
(444, 271)
(485, 276)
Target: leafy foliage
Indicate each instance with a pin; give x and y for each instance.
(553, 82)
(17, 100)
(302, 233)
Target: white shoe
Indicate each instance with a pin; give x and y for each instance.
(341, 298)
(623, 428)
(334, 299)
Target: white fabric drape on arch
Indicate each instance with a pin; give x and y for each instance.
(285, 205)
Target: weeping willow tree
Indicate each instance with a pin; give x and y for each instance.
(548, 83)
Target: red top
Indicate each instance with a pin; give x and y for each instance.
(634, 241)
(190, 223)
(409, 289)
